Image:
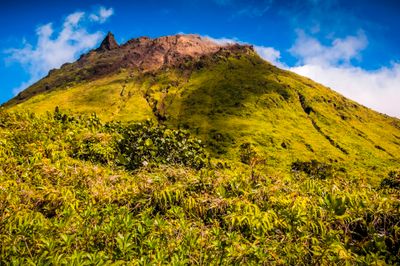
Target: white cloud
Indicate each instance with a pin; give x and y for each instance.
(378, 89)
(54, 49)
(331, 65)
(73, 19)
(341, 51)
(271, 55)
(102, 15)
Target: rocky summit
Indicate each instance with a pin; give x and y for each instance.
(143, 54)
(149, 54)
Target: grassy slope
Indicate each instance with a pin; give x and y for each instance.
(241, 98)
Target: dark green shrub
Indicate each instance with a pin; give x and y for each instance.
(314, 169)
(131, 145)
(392, 181)
(147, 143)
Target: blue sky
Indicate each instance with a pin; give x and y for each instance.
(351, 46)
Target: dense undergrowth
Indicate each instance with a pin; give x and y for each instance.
(74, 190)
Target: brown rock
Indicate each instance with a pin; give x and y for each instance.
(109, 43)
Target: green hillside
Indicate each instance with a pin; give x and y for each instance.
(176, 151)
(231, 98)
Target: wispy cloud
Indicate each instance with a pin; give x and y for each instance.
(52, 49)
(271, 55)
(253, 11)
(341, 51)
(223, 40)
(378, 89)
(102, 14)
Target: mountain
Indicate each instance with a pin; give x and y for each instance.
(225, 94)
(103, 162)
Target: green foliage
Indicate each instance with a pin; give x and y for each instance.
(146, 143)
(96, 147)
(336, 204)
(131, 145)
(314, 169)
(68, 196)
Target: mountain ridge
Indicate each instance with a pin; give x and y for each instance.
(143, 53)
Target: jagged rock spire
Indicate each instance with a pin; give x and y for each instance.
(109, 43)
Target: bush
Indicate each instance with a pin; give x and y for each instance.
(314, 169)
(147, 143)
(130, 145)
(392, 181)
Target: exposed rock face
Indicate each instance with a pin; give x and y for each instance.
(148, 54)
(109, 43)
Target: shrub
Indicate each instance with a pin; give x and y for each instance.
(392, 181)
(144, 143)
(314, 169)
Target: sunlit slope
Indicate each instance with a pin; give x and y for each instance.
(109, 97)
(231, 98)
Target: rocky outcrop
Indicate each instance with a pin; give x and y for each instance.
(109, 43)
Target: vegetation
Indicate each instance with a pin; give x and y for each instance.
(145, 143)
(75, 190)
(223, 160)
(392, 181)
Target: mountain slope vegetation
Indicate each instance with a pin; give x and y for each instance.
(74, 190)
(227, 97)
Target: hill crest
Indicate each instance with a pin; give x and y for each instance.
(142, 54)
